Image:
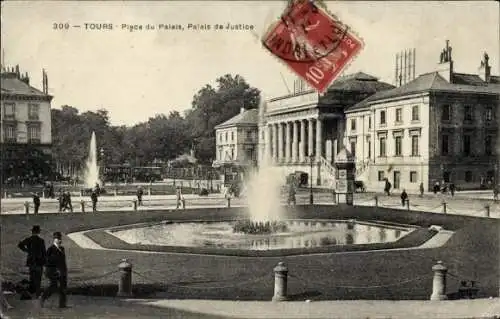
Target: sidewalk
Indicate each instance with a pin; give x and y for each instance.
(102, 307)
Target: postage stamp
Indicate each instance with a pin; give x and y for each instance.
(312, 42)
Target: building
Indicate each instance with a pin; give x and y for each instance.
(26, 126)
(303, 131)
(442, 126)
(236, 140)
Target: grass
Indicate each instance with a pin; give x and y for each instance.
(472, 253)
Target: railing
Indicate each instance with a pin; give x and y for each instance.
(361, 167)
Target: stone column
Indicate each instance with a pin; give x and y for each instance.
(267, 143)
(288, 143)
(310, 137)
(319, 139)
(295, 144)
(280, 142)
(302, 151)
(275, 142)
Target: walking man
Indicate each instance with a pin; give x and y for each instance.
(422, 189)
(56, 271)
(36, 202)
(94, 198)
(140, 192)
(34, 246)
(404, 197)
(67, 200)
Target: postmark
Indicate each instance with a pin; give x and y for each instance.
(312, 42)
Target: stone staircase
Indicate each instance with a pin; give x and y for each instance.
(327, 171)
(362, 168)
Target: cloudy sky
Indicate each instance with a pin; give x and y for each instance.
(136, 75)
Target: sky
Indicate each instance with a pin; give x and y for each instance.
(136, 75)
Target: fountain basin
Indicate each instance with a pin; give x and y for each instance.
(302, 234)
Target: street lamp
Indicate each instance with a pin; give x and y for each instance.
(311, 197)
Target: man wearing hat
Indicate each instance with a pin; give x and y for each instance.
(34, 246)
(56, 271)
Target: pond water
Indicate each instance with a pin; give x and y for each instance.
(299, 234)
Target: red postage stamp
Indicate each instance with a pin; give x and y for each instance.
(312, 42)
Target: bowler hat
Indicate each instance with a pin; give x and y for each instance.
(57, 235)
(35, 229)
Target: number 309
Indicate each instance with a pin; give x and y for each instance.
(60, 26)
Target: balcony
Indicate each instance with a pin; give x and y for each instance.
(34, 141)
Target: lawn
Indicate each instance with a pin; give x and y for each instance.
(471, 254)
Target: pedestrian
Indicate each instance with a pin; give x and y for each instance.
(34, 246)
(495, 192)
(56, 271)
(291, 194)
(436, 188)
(98, 189)
(178, 194)
(140, 192)
(452, 189)
(94, 198)
(61, 199)
(404, 197)
(67, 201)
(422, 189)
(36, 202)
(387, 188)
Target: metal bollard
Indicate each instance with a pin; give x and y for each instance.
(444, 207)
(125, 283)
(376, 201)
(487, 212)
(439, 282)
(115, 192)
(149, 191)
(82, 205)
(27, 208)
(229, 202)
(280, 282)
(134, 204)
(408, 204)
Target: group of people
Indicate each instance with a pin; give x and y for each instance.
(53, 259)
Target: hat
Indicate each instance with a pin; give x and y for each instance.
(35, 229)
(57, 235)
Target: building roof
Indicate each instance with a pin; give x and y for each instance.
(11, 84)
(359, 81)
(247, 117)
(432, 82)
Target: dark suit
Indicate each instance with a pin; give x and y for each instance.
(57, 272)
(35, 247)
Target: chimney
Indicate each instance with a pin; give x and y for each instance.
(26, 78)
(445, 65)
(17, 72)
(485, 68)
(242, 110)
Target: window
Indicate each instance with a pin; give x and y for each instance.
(382, 117)
(399, 115)
(369, 122)
(232, 154)
(226, 137)
(232, 136)
(446, 113)
(468, 113)
(381, 176)
(353, 149)
(9, 133)
(33, 111)
(468, 176)
(382, 147)
(353, 124)
(444, 144)
(415, 113)
(369, 149)
(249, 135)
(9, 110)
(488, 143)
(220, 155)
(34, 134)
(414, 146)
(399, 145)
(413, 177)
(466, 144)
(489, 114)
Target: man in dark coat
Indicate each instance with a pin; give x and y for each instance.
(94, 198)
(404, 197)
(56, 271)
(36, 202)
(140, 192)
(34, 246)
(67, 201)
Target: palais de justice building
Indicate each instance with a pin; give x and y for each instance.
(441, 125)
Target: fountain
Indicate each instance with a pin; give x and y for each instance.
(92, 170)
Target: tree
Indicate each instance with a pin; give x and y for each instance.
(212, 106)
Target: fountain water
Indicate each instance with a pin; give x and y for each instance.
(92, 170)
